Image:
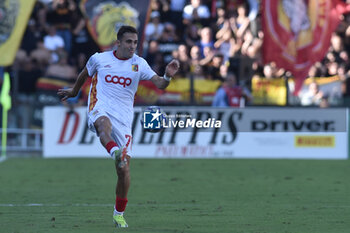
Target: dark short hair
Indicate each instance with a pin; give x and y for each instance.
(232, 74)
(219, 55)
(124, 29)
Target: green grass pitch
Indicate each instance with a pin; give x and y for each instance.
(171, 195)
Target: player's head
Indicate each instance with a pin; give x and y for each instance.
(127, 41)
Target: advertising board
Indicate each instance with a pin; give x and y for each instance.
(300, 133)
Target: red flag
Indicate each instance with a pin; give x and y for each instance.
(297, 33)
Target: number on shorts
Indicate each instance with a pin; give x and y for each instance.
(129, 137)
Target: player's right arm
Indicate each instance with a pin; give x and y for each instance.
(89, 70)
(72, 92)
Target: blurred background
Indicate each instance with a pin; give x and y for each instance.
(233, 53)
(274, 72)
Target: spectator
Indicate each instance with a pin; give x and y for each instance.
(28, 75)
(208, 55)
(239, 23)
(242, 20)
(253, 49)
(230, 94)
(345, 88)
(183, 58)
(61, 17)
(247, 42)
(154, 28)
(344, 57)
(62, 69)
(81, 61)
(206, 39)
(21, 58)
(313, 72)
(168, 42)
(341, 72)
(253, 13)
(271, 71)
(82, 41)
(191, 35)
(195, 68)
(195, 54)
(337, 43)
(324, 102)
(332, 68)
(313, 96)
(232, 5)
(153, 49)
(249, 55)
(164, 10)
(195, 12)
(53, 42)
(346, 37)
(321, 69)
(220, 17)
(225, 43)
(176, 8)
(227, 33)
(42, 55)
(155, 5)
(154, 58)
(223, 70)
(214, 66)
(39, 15)
(31, 36)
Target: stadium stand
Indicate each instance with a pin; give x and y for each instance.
(221, 36)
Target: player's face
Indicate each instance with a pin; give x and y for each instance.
(128, 44)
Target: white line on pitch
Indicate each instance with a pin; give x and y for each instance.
(51, 205)
(131, 204)
(90, 205)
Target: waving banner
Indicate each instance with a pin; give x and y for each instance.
(105, 17)
(297, 33)
(178, 92)
(14, 15)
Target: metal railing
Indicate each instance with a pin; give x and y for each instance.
(29, 140)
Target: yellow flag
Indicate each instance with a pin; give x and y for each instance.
(5, 98)
(13, 21)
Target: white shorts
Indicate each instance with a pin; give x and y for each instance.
(121, 134)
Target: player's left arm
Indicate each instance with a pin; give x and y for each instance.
(170, 70)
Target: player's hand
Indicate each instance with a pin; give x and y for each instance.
(172, 68)
(66, 93)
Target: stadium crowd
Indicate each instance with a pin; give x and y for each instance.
(209, 38)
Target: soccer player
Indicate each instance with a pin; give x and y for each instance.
(116, 75)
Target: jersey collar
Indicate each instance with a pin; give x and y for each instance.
(115, 55)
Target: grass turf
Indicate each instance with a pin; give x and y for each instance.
(272, 196)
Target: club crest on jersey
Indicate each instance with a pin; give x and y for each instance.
(95, 112)
(135, 67)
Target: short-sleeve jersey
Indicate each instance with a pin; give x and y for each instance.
(114, 83)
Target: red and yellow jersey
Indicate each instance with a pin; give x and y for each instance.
(114, 83)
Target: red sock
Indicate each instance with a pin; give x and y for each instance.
(120, 204)
(110, 145)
